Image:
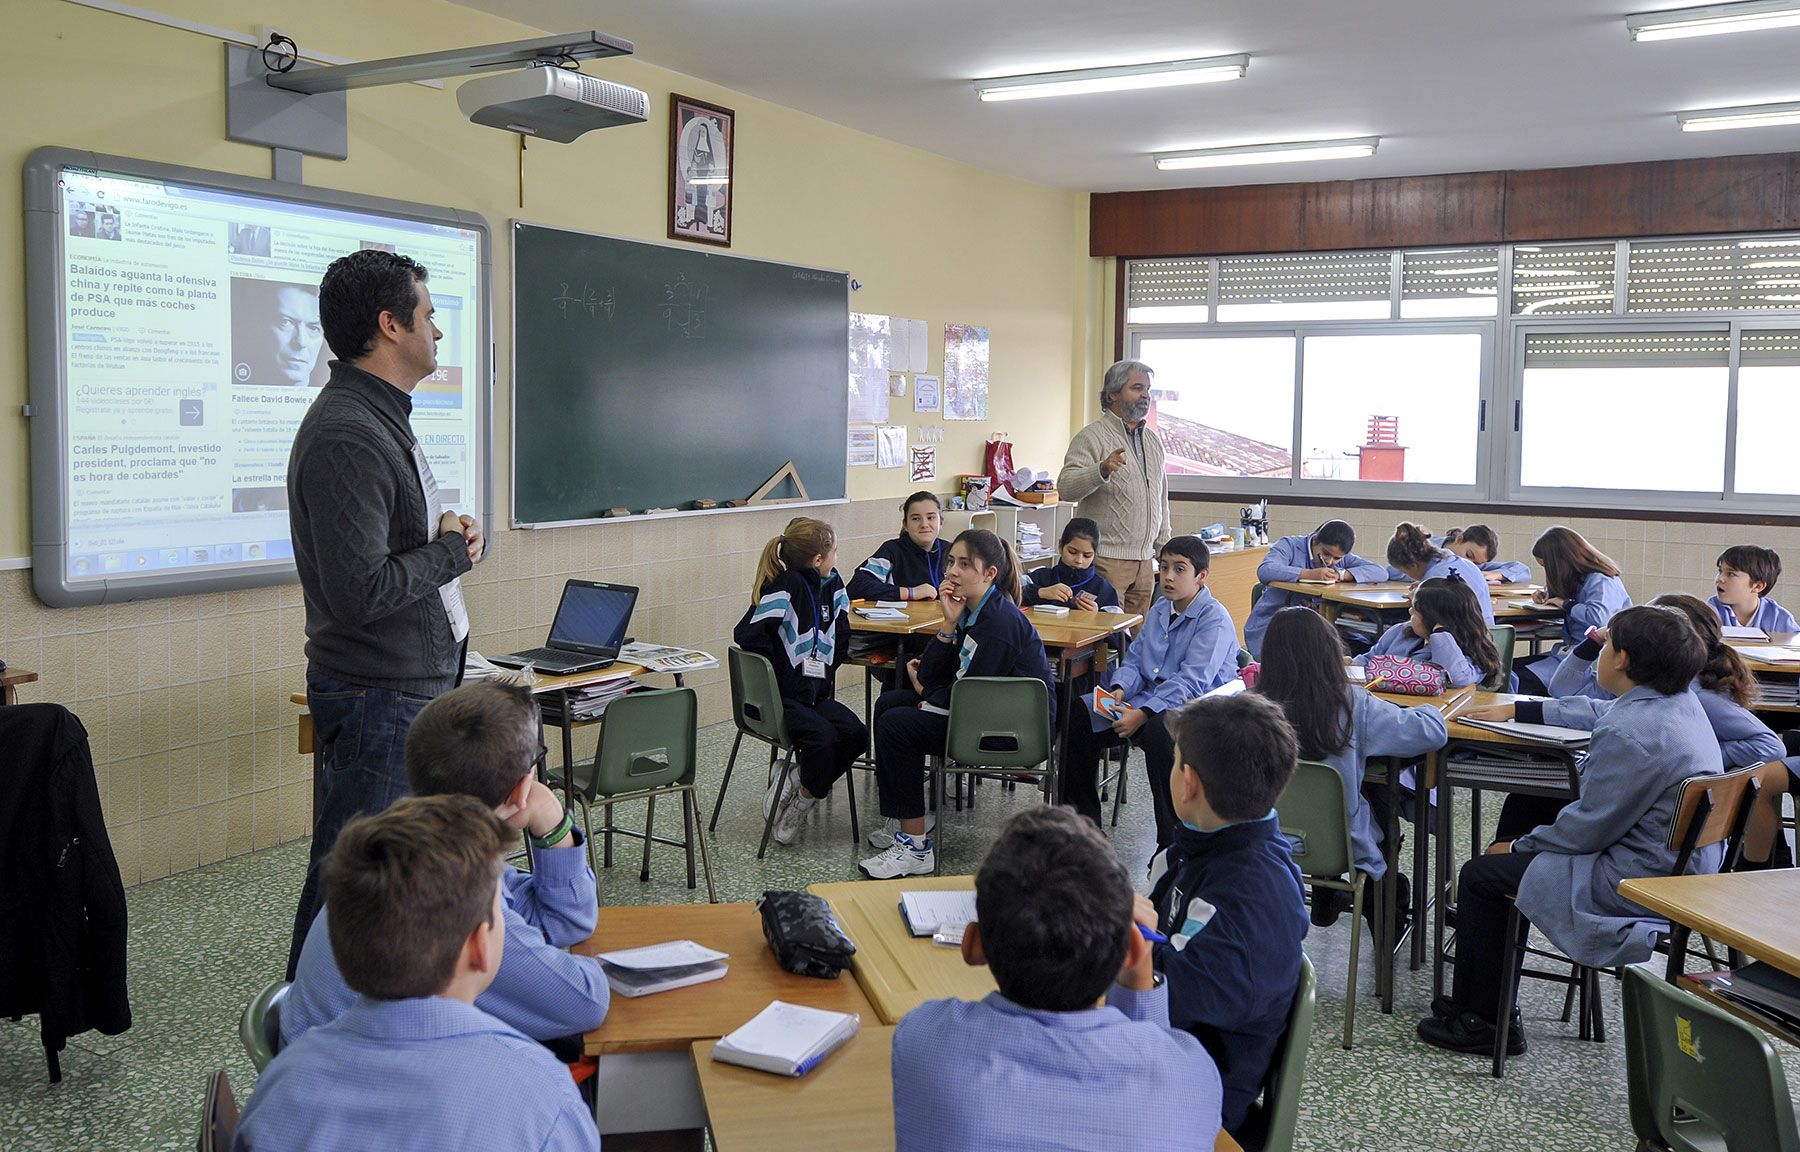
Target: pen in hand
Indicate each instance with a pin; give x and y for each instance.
(1151, 934)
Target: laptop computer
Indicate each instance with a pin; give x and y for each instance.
(587, 632)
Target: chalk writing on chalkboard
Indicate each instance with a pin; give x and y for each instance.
(681, 308)
(587, 299)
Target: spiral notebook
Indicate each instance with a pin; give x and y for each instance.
(787, 1039)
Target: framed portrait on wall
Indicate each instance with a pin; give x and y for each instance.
(702, 140)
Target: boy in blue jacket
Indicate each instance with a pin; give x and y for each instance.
(1187, 648)
(1226, 893)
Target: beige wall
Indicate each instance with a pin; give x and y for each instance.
(186, 698)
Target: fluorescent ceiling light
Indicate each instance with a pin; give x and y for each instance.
(1125, 77)
(1713, 20)
(1268, 153)
(1747, 116)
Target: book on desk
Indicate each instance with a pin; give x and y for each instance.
(635, 972)
(787, 1039)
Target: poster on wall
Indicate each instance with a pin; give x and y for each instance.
(868, 368)
(926, 393)
(965, 372)
(861, 445)
(702, 147)
(890, 446)
(924, 463)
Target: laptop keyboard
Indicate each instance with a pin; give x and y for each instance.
(551, 656)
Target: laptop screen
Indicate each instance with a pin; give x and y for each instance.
(593, 616)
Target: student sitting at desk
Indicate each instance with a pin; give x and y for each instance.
(1227, 894)
(1411, 553)
(1480, 546)
(1582, 581)
(1343, 725)
(1187, 648)
(1445, 628)
(983, 634)
(1564, 875)
(1073, 580)
(911, 565)
(1747, 575)
(799, 619)
(418, 928)
(481, 740)
(1325, 555)
(1036, 1067)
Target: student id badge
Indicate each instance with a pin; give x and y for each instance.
(450, 594)
(814, 667)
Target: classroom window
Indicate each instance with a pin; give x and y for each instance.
(1768, 413)
(1224, 405)
(1713, 275)
(1332, 286)
(1563, 279)
(1450, 282)
(1168, 292)
(1391, 408)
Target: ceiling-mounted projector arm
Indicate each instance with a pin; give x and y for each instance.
(454, 63)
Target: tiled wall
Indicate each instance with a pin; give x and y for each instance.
(186, 699)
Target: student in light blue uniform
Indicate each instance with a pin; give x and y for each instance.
(1585, 583)
(1747, 575)
(1411, 553)
(1324, 555)
(1445, 629)
(1480, 546)
(481, 740)
(1565, 874)
(1037, 1065)
(1342, 725)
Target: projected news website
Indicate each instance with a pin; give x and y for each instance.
(193, 351)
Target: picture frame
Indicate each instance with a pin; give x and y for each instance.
(702, 156)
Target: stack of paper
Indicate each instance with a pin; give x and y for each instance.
(1552, 734)
(1031, 541)
(667, 658)
(1770, 654)
(880, 612)
(659, 967)
(1773, 692)
(787, 1039)
(927, 912)
(587, 702)
(1503, 768)
(1740, 632)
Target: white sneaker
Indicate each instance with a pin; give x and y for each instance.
(906, 857)
(791, 815)
(883, 837)
(771, 799)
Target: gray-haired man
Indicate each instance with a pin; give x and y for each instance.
(1114, 473)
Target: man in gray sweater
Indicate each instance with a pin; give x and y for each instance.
(1114, 473)
(379, 557)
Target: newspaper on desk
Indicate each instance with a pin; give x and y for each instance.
(478, 667)
(667, 658)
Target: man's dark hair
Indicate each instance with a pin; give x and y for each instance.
(357, 289)
(476, 740)
(1189, 548)
(1762, 565)
(1054, 905)
(405, 888)
(1664, 651)
(1242, 748)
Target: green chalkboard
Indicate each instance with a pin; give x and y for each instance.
(649, 375)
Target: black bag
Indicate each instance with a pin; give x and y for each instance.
(804, 935)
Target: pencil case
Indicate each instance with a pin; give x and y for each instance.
(804, 935)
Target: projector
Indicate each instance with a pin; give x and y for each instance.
(550, 103)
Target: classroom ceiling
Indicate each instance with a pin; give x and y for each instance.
(1448, 85)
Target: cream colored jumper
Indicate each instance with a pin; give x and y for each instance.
(1131, 509)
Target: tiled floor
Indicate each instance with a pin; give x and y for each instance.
(203, 942)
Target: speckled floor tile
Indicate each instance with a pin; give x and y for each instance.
(203, 942)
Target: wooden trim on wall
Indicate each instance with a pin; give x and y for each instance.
(1475, 509)
(1615, 201)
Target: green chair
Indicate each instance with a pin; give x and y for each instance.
(260, 1027)
(1256, 592)
(647, 749)
(996, 723)
(1505, 639)
(1698, 1079)
(1314, 814)
(1244, 659)
(1270, 1125)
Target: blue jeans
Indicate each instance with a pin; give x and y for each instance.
(359, 766)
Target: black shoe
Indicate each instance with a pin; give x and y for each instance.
(1327, 905)
(1444, 1008)
(1467, 1032)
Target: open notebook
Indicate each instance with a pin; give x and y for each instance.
(927, 912)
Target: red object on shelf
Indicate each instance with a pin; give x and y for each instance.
(1382, 456)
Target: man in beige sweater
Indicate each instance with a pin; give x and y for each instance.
(1114, 473)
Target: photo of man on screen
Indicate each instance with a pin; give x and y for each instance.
(81, 220)
(108, 227)
(275, 334)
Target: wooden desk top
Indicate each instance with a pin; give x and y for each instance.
(1469, 734)
(671, 1021)
(1080, 629)
(846, 1102)
(16, 676)
(921, 616)
(899, 971)
(1750, 911)
(1776, 639)
(546, 684)
(1390, 595)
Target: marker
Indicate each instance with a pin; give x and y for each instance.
(1150, 934)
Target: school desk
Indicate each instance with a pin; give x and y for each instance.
(1232, 580)
(1779, 675)
(1389, 602)
(10, 681)
(646, 1078)
(1072, 642)
(846, 1102)
(897, 970)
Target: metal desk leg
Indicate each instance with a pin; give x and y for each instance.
(1421, 827)
(1390, 891)
(1441, 876)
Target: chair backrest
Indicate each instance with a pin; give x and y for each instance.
(218, 1115)
(1505, 639)
(1256, 592)
(999, 722)
(756, 697)
(1271, 1125)
(259, 1029)
(1314, 815)
(1244, 659)
(1764, 823)
(1712, 809)
(648, 741)
(1683, 1053)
